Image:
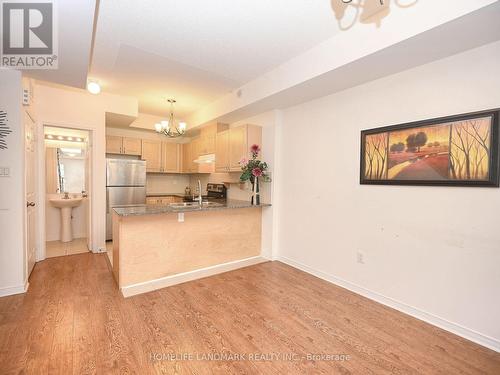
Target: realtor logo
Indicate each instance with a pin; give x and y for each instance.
(28, 34)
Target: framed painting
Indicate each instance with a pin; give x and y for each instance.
(461, 150)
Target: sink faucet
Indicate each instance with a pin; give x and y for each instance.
(66, 195)
(199, 199)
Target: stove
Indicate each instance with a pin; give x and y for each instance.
(216, 191)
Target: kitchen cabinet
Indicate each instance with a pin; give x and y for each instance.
(207, 139)
(222, 151)
(151, 153)
(186, 157)
(170, 162)
(123, 145)
(195, 154)
(114, 144)
(161, 157)
(234, 144)
(132, 146)
(163, 200)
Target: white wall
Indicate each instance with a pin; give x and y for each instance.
(441, 265)
(12, 199)
(74, 108)
(166, 183)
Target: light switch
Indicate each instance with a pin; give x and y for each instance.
(180, 217)
(4, 171)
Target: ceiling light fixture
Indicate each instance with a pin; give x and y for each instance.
(52, 137)
(93, 87)
(169, 127)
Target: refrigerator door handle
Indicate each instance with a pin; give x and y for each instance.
(107, 201)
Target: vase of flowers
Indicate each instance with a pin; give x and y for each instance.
(254, 170)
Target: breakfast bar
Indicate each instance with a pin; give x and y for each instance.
(158, 246)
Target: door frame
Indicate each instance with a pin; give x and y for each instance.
(41, 183)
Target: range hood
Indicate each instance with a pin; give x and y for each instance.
(205, 159)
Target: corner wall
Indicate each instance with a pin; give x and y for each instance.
(433, 252)
(12, 197)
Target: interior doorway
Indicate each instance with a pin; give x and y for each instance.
(68, 174)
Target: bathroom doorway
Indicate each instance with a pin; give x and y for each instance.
(67, 181)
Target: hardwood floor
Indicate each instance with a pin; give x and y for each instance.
(74, 320)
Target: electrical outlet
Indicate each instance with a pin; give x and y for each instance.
(360, 257)
(180, 217)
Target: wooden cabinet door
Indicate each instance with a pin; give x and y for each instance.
(151, 153)
(186, 157)
(237, 146)
(222, 151)
(210, 144)
(170, 157)
(151, 200)
(132, 146)
(114, 144)
(195, 153)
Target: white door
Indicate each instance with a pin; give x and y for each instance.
(30, 178)
(88, 188)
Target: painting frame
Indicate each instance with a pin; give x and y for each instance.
(493, 175)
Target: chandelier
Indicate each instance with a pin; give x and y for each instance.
(170, 127)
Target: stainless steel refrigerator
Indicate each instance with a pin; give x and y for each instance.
(125, 186)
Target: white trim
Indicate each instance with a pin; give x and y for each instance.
(148, 286)
(11, 290)
(455, 328)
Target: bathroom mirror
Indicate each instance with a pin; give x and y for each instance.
(65, 169)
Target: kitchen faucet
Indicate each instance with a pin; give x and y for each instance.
(199, 199)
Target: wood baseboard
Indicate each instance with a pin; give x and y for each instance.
(467, 333)
(148, 286)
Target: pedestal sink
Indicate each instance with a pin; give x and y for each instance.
(66, 206)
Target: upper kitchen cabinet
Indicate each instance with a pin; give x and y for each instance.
(170, 162)
(132, 146)
(240, 140)
(222, 151)
(152, 154)
(161, 157)
(123, 145)
(186, 158)
(207, 139)
(114, 144)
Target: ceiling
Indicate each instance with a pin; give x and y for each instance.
(75, 28)
(197, 51)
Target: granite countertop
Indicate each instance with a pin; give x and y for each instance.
(156, 210)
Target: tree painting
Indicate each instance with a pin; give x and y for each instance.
(419, 153)
(460, 150)
(376, 149)
(470, 149)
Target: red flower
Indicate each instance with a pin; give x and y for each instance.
(257, 172)
(255, 149)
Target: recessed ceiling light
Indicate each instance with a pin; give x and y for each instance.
(93, 87)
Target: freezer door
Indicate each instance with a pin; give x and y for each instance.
(124, 172)
(121, 196)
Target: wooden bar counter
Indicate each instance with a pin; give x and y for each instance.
(158, 246)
